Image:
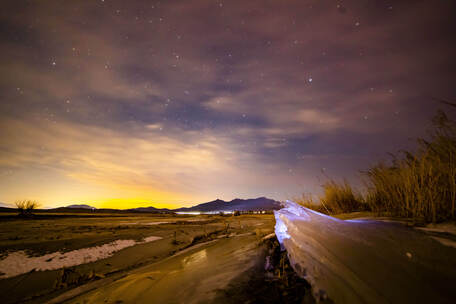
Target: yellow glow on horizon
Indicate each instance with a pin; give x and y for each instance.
(128, 203)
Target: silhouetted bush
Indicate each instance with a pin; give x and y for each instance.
(26, 207)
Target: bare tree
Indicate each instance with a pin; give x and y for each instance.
(26, 207)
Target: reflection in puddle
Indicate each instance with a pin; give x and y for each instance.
(194, 259)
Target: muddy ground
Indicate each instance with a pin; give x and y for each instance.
(224, 255)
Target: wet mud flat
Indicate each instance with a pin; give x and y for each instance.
(177, 239)
(233, 269)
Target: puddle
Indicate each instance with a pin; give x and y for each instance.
(19, 262)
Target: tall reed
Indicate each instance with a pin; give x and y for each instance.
(341, 198)
(337, 198)
(419, 185)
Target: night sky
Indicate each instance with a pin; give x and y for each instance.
(169, 103)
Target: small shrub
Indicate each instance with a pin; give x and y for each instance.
(26, 207)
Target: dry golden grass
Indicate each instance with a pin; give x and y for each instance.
(419, 185)
(337, 198)
(341, 198)
(307, 201)
(422, 185)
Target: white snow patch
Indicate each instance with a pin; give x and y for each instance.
(151, 239)
(19, 262)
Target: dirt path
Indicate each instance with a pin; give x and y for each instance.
(193, 276)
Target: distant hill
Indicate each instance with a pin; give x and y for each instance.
(5, 205)
(8, 210)
(149, 209)
(80, 206)
(255, 204)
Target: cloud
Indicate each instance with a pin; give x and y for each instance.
(171, 99)
(144, 164)
(105, 156)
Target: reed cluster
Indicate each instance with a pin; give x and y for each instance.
(419, 185)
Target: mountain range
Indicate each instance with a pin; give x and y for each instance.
(5, 205)
(218, 205)
(255, 204)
